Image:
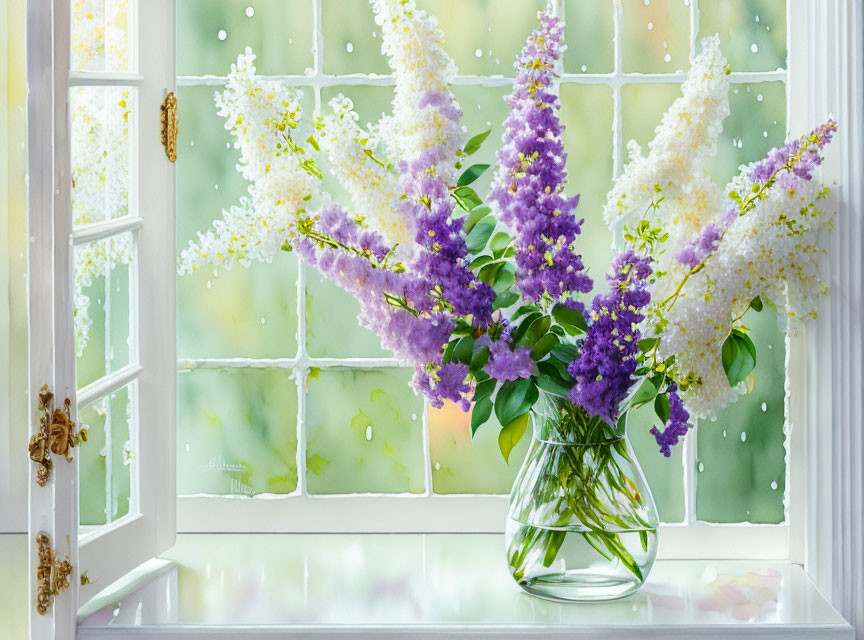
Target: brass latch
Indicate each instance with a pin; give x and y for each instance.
(169, 126)
(52, 575)
(56, 435)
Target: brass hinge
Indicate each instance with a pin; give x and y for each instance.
(52, 575)
(169, 126)
(56, 435)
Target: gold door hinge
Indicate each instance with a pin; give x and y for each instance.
(169, 126)
(56, 435)
(52, 574)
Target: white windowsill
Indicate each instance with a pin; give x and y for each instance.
(434, 586)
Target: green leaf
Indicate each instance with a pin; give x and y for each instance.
(566, 353)
(505, 299)
(473, 145)
(505, 278)
(536, 331)
(480, 414)
(500, 241)
(464, 350)
(756, 304)
(479, 236)
(646, 393)
(511, 434)
(480, 358)
(739, 357)
(471, 174)
(489, 272)
(524, 325)
(480, 261)
(448, 352)
(467, 198)
(557, 370)
(514, 398)
(572, 321)
(485, 389)
(646, 344)
(543, 346)
(474, 217)
(661, 407)
(552, 384)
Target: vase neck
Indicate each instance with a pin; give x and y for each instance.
(558, 421)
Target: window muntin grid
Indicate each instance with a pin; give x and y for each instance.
(607, 89)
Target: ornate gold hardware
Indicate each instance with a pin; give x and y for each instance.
(56, 435)
(169, 126)
(52, 574)
(85, 579)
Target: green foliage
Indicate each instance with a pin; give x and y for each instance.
(756, 304)
(473, 145)
(514, 399)
(739, 356)
(467, 198)
(478, 237)
(511, 434)
(571, 320)
(661, 407)
(474, 217)
(471, 174)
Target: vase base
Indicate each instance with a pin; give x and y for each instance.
(580, 586)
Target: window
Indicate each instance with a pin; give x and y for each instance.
(281, 393)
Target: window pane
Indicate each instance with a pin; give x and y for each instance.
(211, 33)
(655, 36)
(665, 475)
(102, 122)
(364, 432)
(484, 36)
(756, 124)
(586, 113)
(642, 107)
(753, 32)
(589, 36)
(100, 35)
(352, 40)
(237, 432)
(462, 464)
(237, 313)
(103, 303)
(741, 466)
(105, 462)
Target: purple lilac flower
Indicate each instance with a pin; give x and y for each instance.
(676, 427)
(442, 261)
(604, 369)
(802, 168)
(704, 243)
(447, 383)
(529, 187)
(506, 365)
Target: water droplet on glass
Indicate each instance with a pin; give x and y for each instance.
(437, 466)
(650, 26)
(209, 283)
(754, 48)
(191, 143)
(584, 68)
(263, 321)
(743, 436)
(369, 433)
(701, 467)
(760, 97)
(764, 407)
(740, 143)
(774, 485)
(667, 58)
(647, 2)
(413, 416)
(349, 47)
(216, 186)
(250, 12)
(222, 34)
(764, 134)
(478, 53)
(768, 27)
(724, 433)
(188, 447)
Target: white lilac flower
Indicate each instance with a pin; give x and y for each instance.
(371, 183)
(425, 118)
(771, 250)
(674, 169)
(261, 116)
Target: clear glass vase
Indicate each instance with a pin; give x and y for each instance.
(582, 524)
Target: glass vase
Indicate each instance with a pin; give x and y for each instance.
(582, 524)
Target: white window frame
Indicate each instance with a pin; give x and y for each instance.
(106, 552)
(429, 512)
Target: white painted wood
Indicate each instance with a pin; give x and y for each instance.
(826, 66)
(108, 552)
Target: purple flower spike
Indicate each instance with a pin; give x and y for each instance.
(604, 369)
(676, 427)
(529, 187)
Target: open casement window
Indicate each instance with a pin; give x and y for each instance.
(292, 417)
(101, 228)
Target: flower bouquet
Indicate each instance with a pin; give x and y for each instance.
(485, 297)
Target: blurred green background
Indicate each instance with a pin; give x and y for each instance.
(364, 426)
